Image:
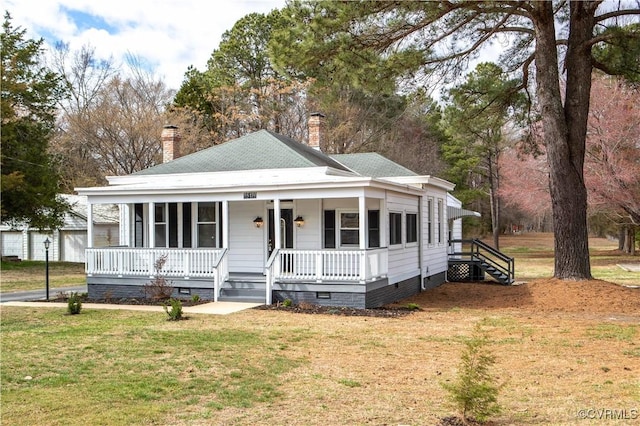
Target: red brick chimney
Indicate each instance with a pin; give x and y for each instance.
(170, 143)
(316, 129)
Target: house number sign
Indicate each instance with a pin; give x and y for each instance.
(250, 195)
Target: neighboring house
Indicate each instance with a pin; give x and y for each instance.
(68, 243)
(266, 218)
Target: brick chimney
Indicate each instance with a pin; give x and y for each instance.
(170, 143)
(316, 129)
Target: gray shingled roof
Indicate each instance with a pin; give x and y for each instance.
(259, 150)
(373, 165)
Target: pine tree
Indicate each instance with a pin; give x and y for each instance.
(29, 95)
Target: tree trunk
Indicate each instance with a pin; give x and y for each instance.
(494, 202)
(565, 133)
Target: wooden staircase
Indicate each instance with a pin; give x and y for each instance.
(477, 259)
(243, 288)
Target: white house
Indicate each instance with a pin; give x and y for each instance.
(68, 243)
(264, 217)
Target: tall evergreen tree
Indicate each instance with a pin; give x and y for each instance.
(547, 39)
(29, 95)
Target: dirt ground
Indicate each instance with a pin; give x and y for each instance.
(542, 296)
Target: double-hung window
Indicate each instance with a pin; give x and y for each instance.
(411, 228)
(206, 224)
(349, 229)
(395, 228)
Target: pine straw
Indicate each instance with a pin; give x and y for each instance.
(561, 347)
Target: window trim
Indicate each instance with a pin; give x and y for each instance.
(430, 221)
(338, 227)
(416, 230)
(198, 222)
(399, 233)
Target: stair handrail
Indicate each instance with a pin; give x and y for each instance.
(221, 272)
(271, 273)
(509, 269)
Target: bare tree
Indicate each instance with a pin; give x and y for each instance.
(111, 122)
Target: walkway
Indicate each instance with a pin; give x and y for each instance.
(213, 308)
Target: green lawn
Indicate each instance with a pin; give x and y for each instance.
(30, 275)
(114, 367)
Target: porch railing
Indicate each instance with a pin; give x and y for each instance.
(326, 265)
(128, 261)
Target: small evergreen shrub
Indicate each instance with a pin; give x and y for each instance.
(195, 298)
(287, 303)
(74, 304)
(413, 306)
(474, 392)
(175, 313)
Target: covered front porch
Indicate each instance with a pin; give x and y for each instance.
(205, 272)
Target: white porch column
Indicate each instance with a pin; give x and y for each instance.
(89, 224)
(225, 224)
(124, 228)
(152, 225)
(277, 243)
(362, 226)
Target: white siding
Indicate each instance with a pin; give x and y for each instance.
(247, 247)
(404, 260)
(309, 236)
(435, 256)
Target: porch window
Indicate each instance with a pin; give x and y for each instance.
(160, 220)
(206, 224)
(374, 228)
(349, 229)
(138, 225)
(395, 228)
(329, 229)
(412, 228)
(186, 225)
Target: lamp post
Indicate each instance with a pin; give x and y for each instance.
(46, 262)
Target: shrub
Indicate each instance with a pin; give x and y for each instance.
(413, 306)
(474, 392)
(74, 304)
(158, 288)
(195, 298)
(175, 313)
(287, 303)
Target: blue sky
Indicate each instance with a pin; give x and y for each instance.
(168, 35)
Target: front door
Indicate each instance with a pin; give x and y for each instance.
(285, 229)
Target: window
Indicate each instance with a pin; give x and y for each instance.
(395, 228)
(186, 225)
(138, 226)
(349, 229)
(430, 221)
(374, 228)
(412, 228)
(160, 224)
(206, 226)
(173, 224)
(329, 229)
(440, 222)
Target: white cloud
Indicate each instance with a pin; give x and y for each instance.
(167, 34)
